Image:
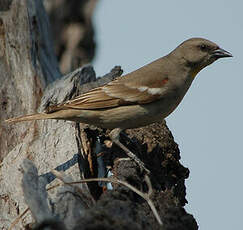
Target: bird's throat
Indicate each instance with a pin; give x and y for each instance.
(195, 71)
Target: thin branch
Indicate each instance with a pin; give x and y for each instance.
(59, 175)
(145, 196)
(18, 218)
(154, 210)
(148, 182)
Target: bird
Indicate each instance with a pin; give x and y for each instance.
(144, 96)
(141, 97)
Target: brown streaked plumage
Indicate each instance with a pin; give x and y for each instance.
(142, 97)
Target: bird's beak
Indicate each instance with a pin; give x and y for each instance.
(220, 53)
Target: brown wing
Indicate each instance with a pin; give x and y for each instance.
(122, 91)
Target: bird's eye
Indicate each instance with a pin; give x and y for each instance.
(203, 47)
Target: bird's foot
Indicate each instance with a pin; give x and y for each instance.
(114, 135)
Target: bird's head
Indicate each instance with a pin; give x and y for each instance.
(199, 52)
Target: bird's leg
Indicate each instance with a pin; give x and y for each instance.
(114, 135)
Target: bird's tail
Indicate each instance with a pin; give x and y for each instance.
(31, 117)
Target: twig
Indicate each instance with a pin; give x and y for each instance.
(59, 175)
(150, 203)
(148, 182)
(145, 196)
(18, 218)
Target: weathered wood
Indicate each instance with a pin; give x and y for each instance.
(35, 193)
(79, 81)
(54, 144)
(27, 64)
(66, 207)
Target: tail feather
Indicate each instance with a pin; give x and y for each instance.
(31, 117)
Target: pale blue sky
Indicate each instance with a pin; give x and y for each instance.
(208, 123)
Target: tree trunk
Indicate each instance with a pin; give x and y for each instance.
(30, 79)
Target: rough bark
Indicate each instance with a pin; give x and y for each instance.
(30, 79)
(27, 65)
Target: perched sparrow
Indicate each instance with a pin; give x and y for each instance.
(142, 97)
